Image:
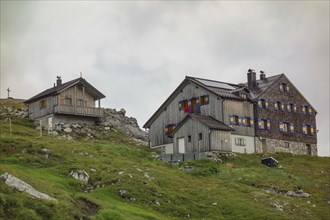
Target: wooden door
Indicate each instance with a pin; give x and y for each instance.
(181, 146)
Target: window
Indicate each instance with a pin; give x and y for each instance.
(169, 128)
(243, 95)
(264, 103)
(240, 142)
(309, 110)
(285, 126)
(43, 103)
(236, 120)
(189, 138)
(248, 122)
(286, 88)
(289, 107)
(200, 136)
(303, 109)
(263, 124)
(183, 105)
(68, 101)
(204, 99)
(286, 144)
(80, 102)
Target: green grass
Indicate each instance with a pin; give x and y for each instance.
(238, 186)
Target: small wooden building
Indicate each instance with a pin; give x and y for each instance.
(70, 102)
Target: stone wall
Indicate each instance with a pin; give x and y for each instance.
(268, 145)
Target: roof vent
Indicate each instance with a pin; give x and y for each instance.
(58, 81)
(262, 75)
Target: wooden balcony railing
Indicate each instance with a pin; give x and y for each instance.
(77, 110)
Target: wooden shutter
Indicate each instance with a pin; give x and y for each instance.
(268, 124)
(288, 107)
(266, 103)
(239, 120)
(198, 105)
(259, 123)
(281, 125)
(243, 121)
(206, 100)
(291, 128)
(275, 105)
(287, 88)
(312, 130)
(282, 106)
(190, 106)
(309, 110)
(294, 108)
(180, 105)
(252, 122)
(304, 109)
(304, 129)
(280, 87)
(231, 117)
(259, 103)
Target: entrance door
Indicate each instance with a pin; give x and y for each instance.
(181, 145)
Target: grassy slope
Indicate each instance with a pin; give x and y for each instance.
(237, 185)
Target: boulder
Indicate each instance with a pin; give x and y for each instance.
(68, 130)
(22, 186)
(81, 175)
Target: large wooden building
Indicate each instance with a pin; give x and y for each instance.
(70, 102)
(205, 115)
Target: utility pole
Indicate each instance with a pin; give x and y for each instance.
(8, 90)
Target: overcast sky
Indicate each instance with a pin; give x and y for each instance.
(137, 53)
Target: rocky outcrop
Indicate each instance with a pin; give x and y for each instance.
(22, 186)
(13, 107)
(128, 125)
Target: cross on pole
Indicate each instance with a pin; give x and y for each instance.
(8, 90)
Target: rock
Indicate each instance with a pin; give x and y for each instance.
(46, 152)
(149, 177)
(122, 192)
(132, 199)
(130, 175)
(277, 206)
(122, 111)
(93, 170)
(68, 130)
(157, 203)
(70, 138)
(107, 128)
(188, 168)
(80, 175)
(120, 173)
(22, 186)
(215, 204)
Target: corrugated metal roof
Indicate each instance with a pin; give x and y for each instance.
(57, 89)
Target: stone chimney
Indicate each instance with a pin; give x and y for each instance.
(262, 75)
(252, 80)
(58, 81)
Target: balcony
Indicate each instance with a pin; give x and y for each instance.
(77, 110)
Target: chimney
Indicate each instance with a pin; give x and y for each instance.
(262, 75)
(58, 81)
(252, 81)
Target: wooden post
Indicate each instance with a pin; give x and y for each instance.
(85, 106)
(40, 123)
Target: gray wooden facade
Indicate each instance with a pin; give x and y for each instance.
(219, 108)
(75, 100)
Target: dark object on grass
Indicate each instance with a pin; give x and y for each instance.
(269, 161)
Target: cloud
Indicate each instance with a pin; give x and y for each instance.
(137, 53)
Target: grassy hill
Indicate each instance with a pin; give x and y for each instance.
(238, 188)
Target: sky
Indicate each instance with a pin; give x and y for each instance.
(138, 52)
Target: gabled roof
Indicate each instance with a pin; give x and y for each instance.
(57, 89)
(221, 89)
(209, 121)
(263, 85)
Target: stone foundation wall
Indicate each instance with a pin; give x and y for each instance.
(274, 145)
